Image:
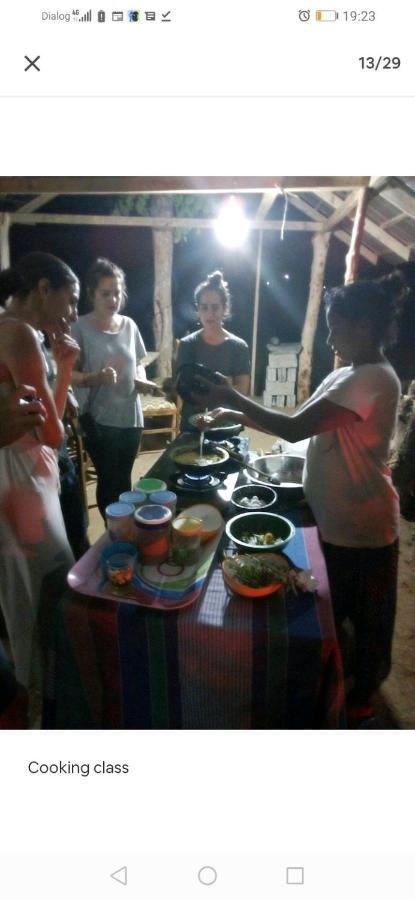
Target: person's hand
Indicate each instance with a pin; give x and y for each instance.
(65, 349)
(148, 387)
(107, 376)
(214, 395)
(217, 417)
(20, 412)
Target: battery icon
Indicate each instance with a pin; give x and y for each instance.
(101, 15)
(326, 15)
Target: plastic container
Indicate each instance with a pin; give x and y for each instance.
(120, 521)
(152, 528)
(136, 498)
(120, 569)
(114, 548)
(164, 498)
(186, 539)
(149, 485)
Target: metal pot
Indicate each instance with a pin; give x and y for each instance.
(195, 469)
(288, 468)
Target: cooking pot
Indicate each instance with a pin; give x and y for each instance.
(289, 470)
(193, 468)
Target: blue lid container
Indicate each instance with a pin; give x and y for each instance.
(163, 498)
(134, 497)
(118, 510)
(152, 516)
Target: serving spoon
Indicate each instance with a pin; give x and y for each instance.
(261, 476)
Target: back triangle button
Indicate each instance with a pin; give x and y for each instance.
(120, 875)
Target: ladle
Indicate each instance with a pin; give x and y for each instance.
(261, 476)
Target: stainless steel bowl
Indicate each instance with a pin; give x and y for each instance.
(288, 469)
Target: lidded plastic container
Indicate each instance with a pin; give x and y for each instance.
(164, 498)
(152, 529)
(149, 485)
(120, 521)
(186, 539)
(136, 498)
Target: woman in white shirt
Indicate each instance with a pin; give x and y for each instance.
(108, 380)
(350, 419)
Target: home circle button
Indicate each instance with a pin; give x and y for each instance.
(207, 875)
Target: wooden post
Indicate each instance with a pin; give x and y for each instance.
(4, 241)
(163, 264)
(256, 309)
(320, 250)
(353, 256)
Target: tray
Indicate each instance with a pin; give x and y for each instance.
(150, 587)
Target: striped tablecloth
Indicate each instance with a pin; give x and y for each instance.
(226, 662)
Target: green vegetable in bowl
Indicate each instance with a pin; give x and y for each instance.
(255, 572)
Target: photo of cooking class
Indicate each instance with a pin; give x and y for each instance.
(207, 452)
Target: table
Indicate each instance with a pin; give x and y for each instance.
(226, 662)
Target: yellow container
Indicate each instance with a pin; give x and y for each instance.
(186, 538)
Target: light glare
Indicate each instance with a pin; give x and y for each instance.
(232, 226)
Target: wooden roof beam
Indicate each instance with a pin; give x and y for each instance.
(74, 184)
(390, 243)
(341, 235)
(151, 222)
(266, 204)
(343, 208)
(404, 201)
(36, 203)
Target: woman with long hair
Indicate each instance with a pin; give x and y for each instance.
(42, 294)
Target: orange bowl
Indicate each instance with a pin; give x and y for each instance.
(245, 590)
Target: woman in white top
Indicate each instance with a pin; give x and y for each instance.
(108, 381)
(350, 419)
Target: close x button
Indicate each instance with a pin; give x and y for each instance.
(32, 63)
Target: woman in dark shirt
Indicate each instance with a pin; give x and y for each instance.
(212, 345)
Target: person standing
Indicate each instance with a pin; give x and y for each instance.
(212, 345)
(350, 419)
(42, 294)
(108, 380)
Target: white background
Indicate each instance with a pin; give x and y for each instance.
(206, 793)
(215, 48)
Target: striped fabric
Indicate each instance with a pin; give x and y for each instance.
(226, 662)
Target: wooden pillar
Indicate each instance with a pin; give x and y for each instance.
(4, 241)
(353, 256)
(256, 310)
(320, 249)
(163, 265)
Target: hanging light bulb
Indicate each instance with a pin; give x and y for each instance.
(232, 226)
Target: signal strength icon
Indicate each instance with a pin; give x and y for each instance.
(87, 17)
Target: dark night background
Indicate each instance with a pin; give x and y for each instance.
(282, 301)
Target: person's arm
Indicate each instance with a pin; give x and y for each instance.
(25, 362)
(20, 412)
(106, 376)
(318, 416)
(143, 386)
(241, 384)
